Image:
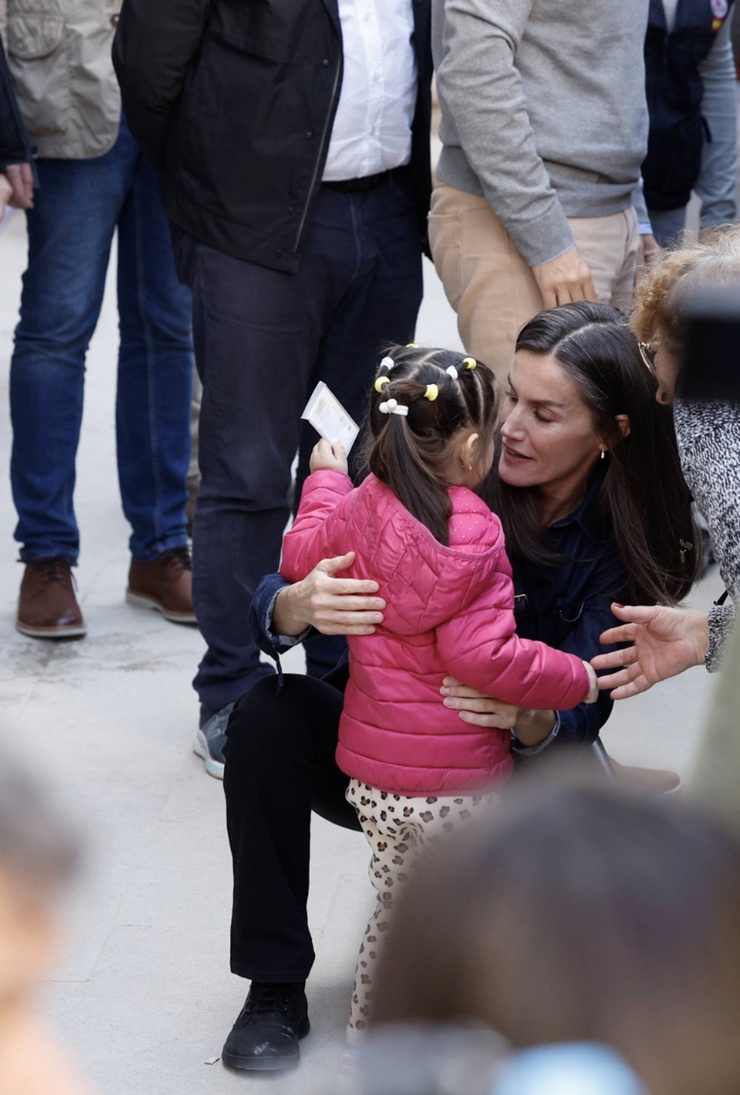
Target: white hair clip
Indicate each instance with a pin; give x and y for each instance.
(387, 363)
(452, 371)
(392, 406)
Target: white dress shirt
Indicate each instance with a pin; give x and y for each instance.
(372, 127)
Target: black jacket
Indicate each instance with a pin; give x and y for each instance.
(15, 146)
(674, 94)
(234, 101)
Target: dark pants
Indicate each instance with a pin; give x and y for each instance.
(263, 340)
(279, 767)
(77, 208)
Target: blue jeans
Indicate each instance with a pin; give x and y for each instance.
(263, 340)
(78, 206)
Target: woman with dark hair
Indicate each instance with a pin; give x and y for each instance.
(581, 435)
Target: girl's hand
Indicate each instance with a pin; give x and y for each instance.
(479, 709)
(593, 680)
(334, 606)
(666, 642)
(331, 456)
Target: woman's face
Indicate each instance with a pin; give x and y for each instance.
(547, 433)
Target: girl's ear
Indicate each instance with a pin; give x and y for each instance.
(469, 450)
(623, 422)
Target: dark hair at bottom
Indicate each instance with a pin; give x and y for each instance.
(644, 502)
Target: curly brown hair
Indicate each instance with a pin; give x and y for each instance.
(658, 295)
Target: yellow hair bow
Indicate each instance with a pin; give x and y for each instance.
(431, 393)
(411, 346)
(381, 382)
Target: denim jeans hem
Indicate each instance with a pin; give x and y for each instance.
(176, 540)
(32, 555)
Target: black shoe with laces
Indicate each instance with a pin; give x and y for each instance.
(266, 1034)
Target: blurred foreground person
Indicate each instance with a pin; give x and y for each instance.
(93, 181)
(668, 641)
(38, 853)
(574, 914)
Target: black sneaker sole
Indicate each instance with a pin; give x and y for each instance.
(267, 1064)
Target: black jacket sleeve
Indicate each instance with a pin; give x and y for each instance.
(15, 146)
(154, 46)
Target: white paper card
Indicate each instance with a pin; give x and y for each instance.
(329, 418)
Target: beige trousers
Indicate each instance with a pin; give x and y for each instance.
(490, 285)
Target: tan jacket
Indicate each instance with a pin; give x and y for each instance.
(60, 57)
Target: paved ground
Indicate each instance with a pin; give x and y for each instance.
(142, 993)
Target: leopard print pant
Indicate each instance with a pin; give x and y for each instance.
(398, 828)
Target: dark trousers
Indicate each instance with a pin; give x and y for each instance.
(279, 767)
(263, 340)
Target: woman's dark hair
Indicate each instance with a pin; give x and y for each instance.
(411, 453)
(643, 501)
(581, 913)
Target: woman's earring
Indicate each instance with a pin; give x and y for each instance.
(603, 454)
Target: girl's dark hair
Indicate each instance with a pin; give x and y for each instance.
(411, 454)
(643, 500)
(581, 913)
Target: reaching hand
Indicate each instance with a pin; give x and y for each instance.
(564, 279)
(666, 642)
(331, 456)
(20, 177)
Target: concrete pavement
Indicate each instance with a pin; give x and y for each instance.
(142, 993)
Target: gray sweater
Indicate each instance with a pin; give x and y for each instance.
(543, 110)
(708, 436)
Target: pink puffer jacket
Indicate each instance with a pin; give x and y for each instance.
(450, 610)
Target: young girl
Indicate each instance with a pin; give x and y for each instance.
(438, 555)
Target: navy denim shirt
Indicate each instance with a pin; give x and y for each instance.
(566, 608)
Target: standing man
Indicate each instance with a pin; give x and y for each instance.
(92, 180)
(544, 128)
(293, 140)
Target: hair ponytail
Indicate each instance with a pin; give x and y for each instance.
(410, 453)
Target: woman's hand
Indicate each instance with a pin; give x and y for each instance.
(666, 642)
(478, 709)
(334, 606)
(331, 456)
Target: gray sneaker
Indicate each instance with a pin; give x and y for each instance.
(211, 738)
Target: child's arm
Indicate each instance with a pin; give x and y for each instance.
(318, 526)
(480, 648)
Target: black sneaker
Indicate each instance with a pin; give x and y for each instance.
(211, 738)
(266, 1034)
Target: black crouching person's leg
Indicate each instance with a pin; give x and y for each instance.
(279, 766)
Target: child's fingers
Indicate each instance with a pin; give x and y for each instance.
(338, 450)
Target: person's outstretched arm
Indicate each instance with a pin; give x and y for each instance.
(480, 647)
(666, 642)
(155, 44)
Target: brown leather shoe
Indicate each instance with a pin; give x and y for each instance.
(47, 606)
(164, 584)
